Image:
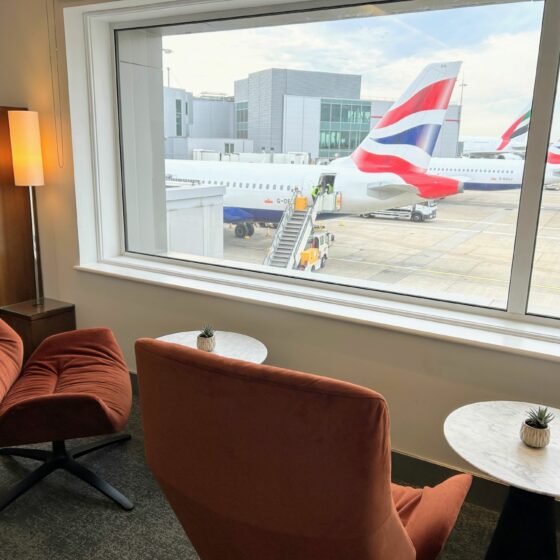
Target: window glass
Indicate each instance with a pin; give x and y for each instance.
(544, 296)
(335, 113)
(178, 118)
(412, 145)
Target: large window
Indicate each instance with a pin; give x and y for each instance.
(242, 119)
(350, 121)
(545, 284)
(347, 171)
(178, 118)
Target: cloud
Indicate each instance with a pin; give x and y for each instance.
(499, 74)
(499, 70)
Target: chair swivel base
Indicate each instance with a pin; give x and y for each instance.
(61, 458)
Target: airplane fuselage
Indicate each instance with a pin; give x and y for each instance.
(487, 174)
(260, 192)
(479, 173)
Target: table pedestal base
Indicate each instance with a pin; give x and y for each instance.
(526, 528)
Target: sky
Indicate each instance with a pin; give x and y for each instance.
(498, 45)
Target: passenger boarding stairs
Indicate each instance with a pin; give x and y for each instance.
(293, 233)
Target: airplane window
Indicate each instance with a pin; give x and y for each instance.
(273, 187)
(267, 187)
(260, 186)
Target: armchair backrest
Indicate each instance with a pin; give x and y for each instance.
(262, 462)
(11, 358)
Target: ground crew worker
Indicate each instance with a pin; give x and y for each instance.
(315, 192)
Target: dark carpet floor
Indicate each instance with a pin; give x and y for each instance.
(63, 519)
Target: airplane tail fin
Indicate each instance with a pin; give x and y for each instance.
(517, 130)
(553, 157)
(404, 139)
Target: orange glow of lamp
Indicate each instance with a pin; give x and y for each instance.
(27, 161)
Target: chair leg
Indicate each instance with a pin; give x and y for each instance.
(89, 448)
(37, 454)
(98, 483)
(61, 458)
(24, 485)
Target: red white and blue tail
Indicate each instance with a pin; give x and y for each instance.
(403, 141)
(553, 157)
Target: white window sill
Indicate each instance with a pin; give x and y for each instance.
(476, 329)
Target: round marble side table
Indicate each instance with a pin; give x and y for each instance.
(486, 434)
(228, 344)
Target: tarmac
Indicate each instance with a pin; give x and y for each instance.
(463, 255)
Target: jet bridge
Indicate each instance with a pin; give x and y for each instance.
(296, 227)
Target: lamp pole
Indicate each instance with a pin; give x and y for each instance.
(36, 253)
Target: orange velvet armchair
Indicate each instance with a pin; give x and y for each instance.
(262, 463)
(76, 384)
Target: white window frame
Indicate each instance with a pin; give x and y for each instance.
(89, 32)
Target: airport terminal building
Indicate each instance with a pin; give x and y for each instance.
(283, 111)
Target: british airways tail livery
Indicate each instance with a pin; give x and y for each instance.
(553, 158)
(403, 141)
(552, 176)
(387, 170)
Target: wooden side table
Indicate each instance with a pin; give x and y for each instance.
(35, 323)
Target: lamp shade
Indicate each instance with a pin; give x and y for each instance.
(26, 148)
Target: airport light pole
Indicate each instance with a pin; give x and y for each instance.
(168, 51)
(462, 85)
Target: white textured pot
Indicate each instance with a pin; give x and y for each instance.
(534, 437)
(206, 343)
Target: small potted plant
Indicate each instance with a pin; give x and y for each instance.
(206, 340)
(534, 430)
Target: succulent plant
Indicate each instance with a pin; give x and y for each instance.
(539, 418)
(207, 332)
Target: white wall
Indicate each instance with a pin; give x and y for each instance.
(195, 220)
(302, 123)
(212, 118)
(143, 139)
(422, 379)
(218, 145)
(177, 148)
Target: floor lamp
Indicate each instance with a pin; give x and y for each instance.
(27, 160)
